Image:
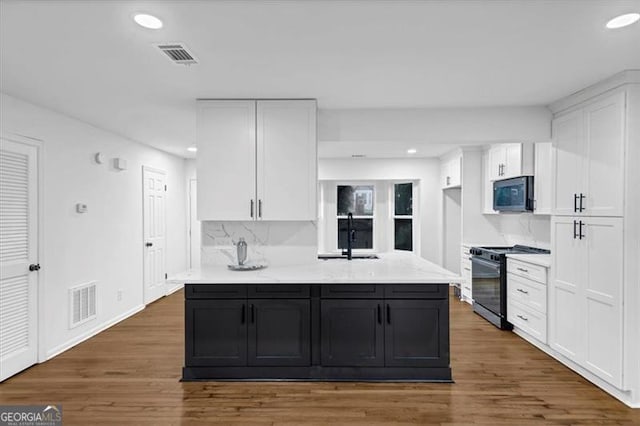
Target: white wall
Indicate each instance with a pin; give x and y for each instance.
(436, 125)
(426, 171)
(105, 244)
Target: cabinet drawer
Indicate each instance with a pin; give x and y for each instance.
(216, 291)
(416, 291)
(527, 292)
(351, 291)
(527, 270)
(528, 320)
(278, 291)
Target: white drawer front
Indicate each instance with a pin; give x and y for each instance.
(527, 292)
(528, 320)
(527, 270)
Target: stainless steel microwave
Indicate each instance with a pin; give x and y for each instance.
(513, 195)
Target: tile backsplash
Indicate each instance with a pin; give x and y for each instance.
(274, 243)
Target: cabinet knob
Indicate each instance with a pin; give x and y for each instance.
(34, 267)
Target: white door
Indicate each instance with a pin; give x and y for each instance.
(18, 257)
(604, 174)
(602, 238)
(154, 193)
(287, 160)
(226, 160)
(566, 316)
(569, 152)
(195, 230)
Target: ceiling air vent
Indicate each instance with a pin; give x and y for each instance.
(178, 53)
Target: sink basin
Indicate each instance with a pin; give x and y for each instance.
(355, 256)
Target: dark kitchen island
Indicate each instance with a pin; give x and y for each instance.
(381, 319)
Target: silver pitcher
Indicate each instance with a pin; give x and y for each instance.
(241, 246)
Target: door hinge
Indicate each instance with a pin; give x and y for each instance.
(165, 276)
(165, 187)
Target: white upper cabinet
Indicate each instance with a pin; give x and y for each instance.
(589, 159)
(287, 160)
(542, 184)
(604, 171)
(451, 170)
(510, 160)
(226, 160)
(257, 160)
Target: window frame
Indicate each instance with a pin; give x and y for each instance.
(393, 216)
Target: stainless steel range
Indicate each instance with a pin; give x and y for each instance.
(489, 281)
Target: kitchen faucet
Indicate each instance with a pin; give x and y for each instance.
(351, 237)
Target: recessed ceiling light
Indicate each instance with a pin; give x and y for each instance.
(192, 149)
(412, 151)
(623, 20)
(148, 21)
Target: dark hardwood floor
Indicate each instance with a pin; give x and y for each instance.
(129, 375)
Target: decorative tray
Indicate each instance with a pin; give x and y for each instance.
(250, 266)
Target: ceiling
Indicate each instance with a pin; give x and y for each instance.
(88, 59)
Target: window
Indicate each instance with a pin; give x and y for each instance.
(403, 216)
(359, 201)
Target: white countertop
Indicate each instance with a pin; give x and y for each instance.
(390, 268)
(536, 259)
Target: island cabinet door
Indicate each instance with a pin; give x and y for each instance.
(215, 333)
(279, 332)
(352, 333)
(417, 333)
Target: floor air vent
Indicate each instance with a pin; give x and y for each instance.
(82, 304)
(178, 53)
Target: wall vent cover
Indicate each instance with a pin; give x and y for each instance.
(178, 53)
(82, 303)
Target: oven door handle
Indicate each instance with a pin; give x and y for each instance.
(486, 263)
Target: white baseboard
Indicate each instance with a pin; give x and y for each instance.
(624, 397)
(173, 288)
(87, 335)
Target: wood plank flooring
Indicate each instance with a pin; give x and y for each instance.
(129, 375)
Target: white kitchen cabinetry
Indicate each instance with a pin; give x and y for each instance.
(542, 183)
(451, 171)
(465, 272)
(487, 186)
(510, 160)
(589, 158)
(226, 160)
(257, 160)
(527, 298)
(586, 293)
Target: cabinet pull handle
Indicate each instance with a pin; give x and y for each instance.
(252, 209)
(582, 197)
(467, 269)
(388, 314)
(379, 314)
(243, 315)
(253, 314)
(523, 318)
(580, 230)
(575, 230)
(523, 270)
(260, 208)
(575, 202)
(523, 291)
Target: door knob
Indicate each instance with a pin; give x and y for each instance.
(149, 244)
(34, 267)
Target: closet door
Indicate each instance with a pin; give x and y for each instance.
(18, 257)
